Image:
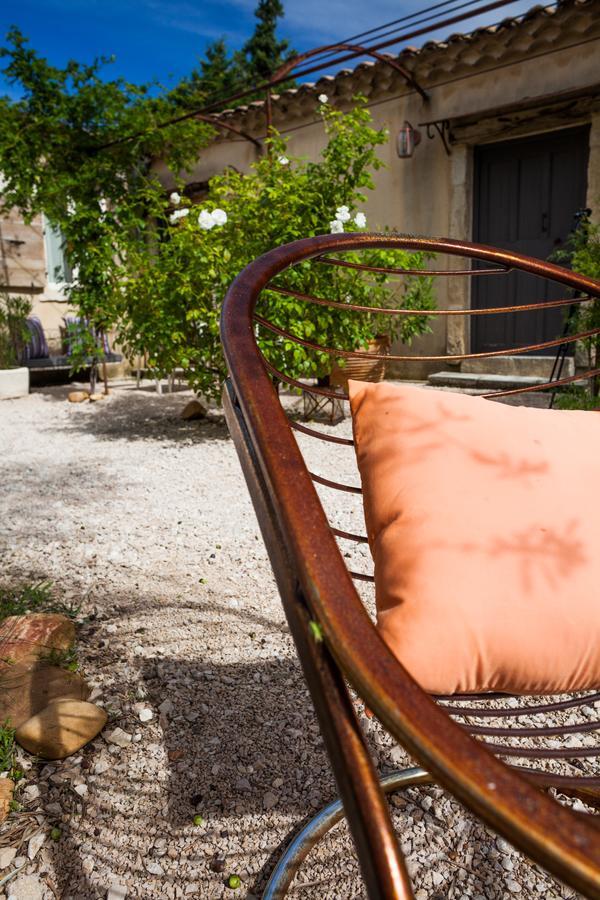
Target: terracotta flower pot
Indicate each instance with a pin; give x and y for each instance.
(360, 369)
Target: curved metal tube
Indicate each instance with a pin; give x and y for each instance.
(296, 852)
(291, 64)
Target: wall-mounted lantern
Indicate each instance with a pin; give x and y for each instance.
(406, 140)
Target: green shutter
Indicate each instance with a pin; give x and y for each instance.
(58, 268)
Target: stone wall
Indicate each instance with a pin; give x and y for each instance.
(23, 269)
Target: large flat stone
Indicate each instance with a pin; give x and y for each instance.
(25, 690)
(34, 636)
(520, 365)
(7, 789)
(61, 728)
(464, 380)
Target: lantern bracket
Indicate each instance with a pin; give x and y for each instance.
(442, 126)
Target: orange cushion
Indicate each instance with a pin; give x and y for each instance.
(484, 525)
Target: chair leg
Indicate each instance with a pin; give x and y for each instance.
(297, 851)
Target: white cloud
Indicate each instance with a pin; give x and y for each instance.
(197, 18)
(337, 20)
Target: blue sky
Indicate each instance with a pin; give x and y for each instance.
(162, 39)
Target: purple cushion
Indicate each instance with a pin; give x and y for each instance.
(37, 345)
(72, 326)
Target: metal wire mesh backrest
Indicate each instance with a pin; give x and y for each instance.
(565, 357)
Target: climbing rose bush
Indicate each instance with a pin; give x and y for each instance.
(173, 302)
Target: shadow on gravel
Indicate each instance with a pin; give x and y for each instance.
(245, 749)
(242, 740)
(134, 415)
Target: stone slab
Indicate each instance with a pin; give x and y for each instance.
(464, 380)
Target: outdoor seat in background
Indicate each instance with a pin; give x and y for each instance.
(36, 354)
(503, 781)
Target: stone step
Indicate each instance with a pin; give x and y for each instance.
(522, 366)
(483, 382)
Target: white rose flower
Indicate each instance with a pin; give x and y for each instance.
(283, 161)
(336, 227)
(175, 198)
(342, 214)
(205, 220)
(219, 216)
(360, 219)
(323, 98)
(178, 214)
(103, 204)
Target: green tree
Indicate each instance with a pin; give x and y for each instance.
(216, 76)
(80, 148)
(220, 75)
(263, 52)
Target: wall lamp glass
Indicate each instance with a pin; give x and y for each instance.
(406, 140)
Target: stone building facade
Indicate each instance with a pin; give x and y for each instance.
(514, 102)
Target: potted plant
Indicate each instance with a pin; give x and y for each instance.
(14, 378)
(581, 252)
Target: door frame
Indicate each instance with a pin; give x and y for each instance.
(578, 132)
(462, 211)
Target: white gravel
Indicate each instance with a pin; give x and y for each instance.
(145, 521)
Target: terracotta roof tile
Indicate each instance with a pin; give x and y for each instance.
(539, 27)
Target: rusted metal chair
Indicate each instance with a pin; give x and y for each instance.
(316, 586)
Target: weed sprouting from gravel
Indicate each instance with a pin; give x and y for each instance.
(63, 659)
(27, 598)
(7, 749)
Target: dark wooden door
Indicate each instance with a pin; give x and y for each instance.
(526, 195)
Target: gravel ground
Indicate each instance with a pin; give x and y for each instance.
(145, 522)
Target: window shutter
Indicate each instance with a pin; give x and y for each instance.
(58, 269)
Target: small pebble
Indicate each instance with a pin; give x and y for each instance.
(116, 892)
(119, 738)
(155, 868)
(269, 800)
(35, 843)
(7, 854)
(26, 887)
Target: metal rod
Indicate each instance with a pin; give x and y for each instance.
(296, 852)
(404, 311)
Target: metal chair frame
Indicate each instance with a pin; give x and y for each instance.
(316, 586)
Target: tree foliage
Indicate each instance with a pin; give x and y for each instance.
(218, 75)
(221, 74)
(264, 52)
(79, 148)
(13, 329)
